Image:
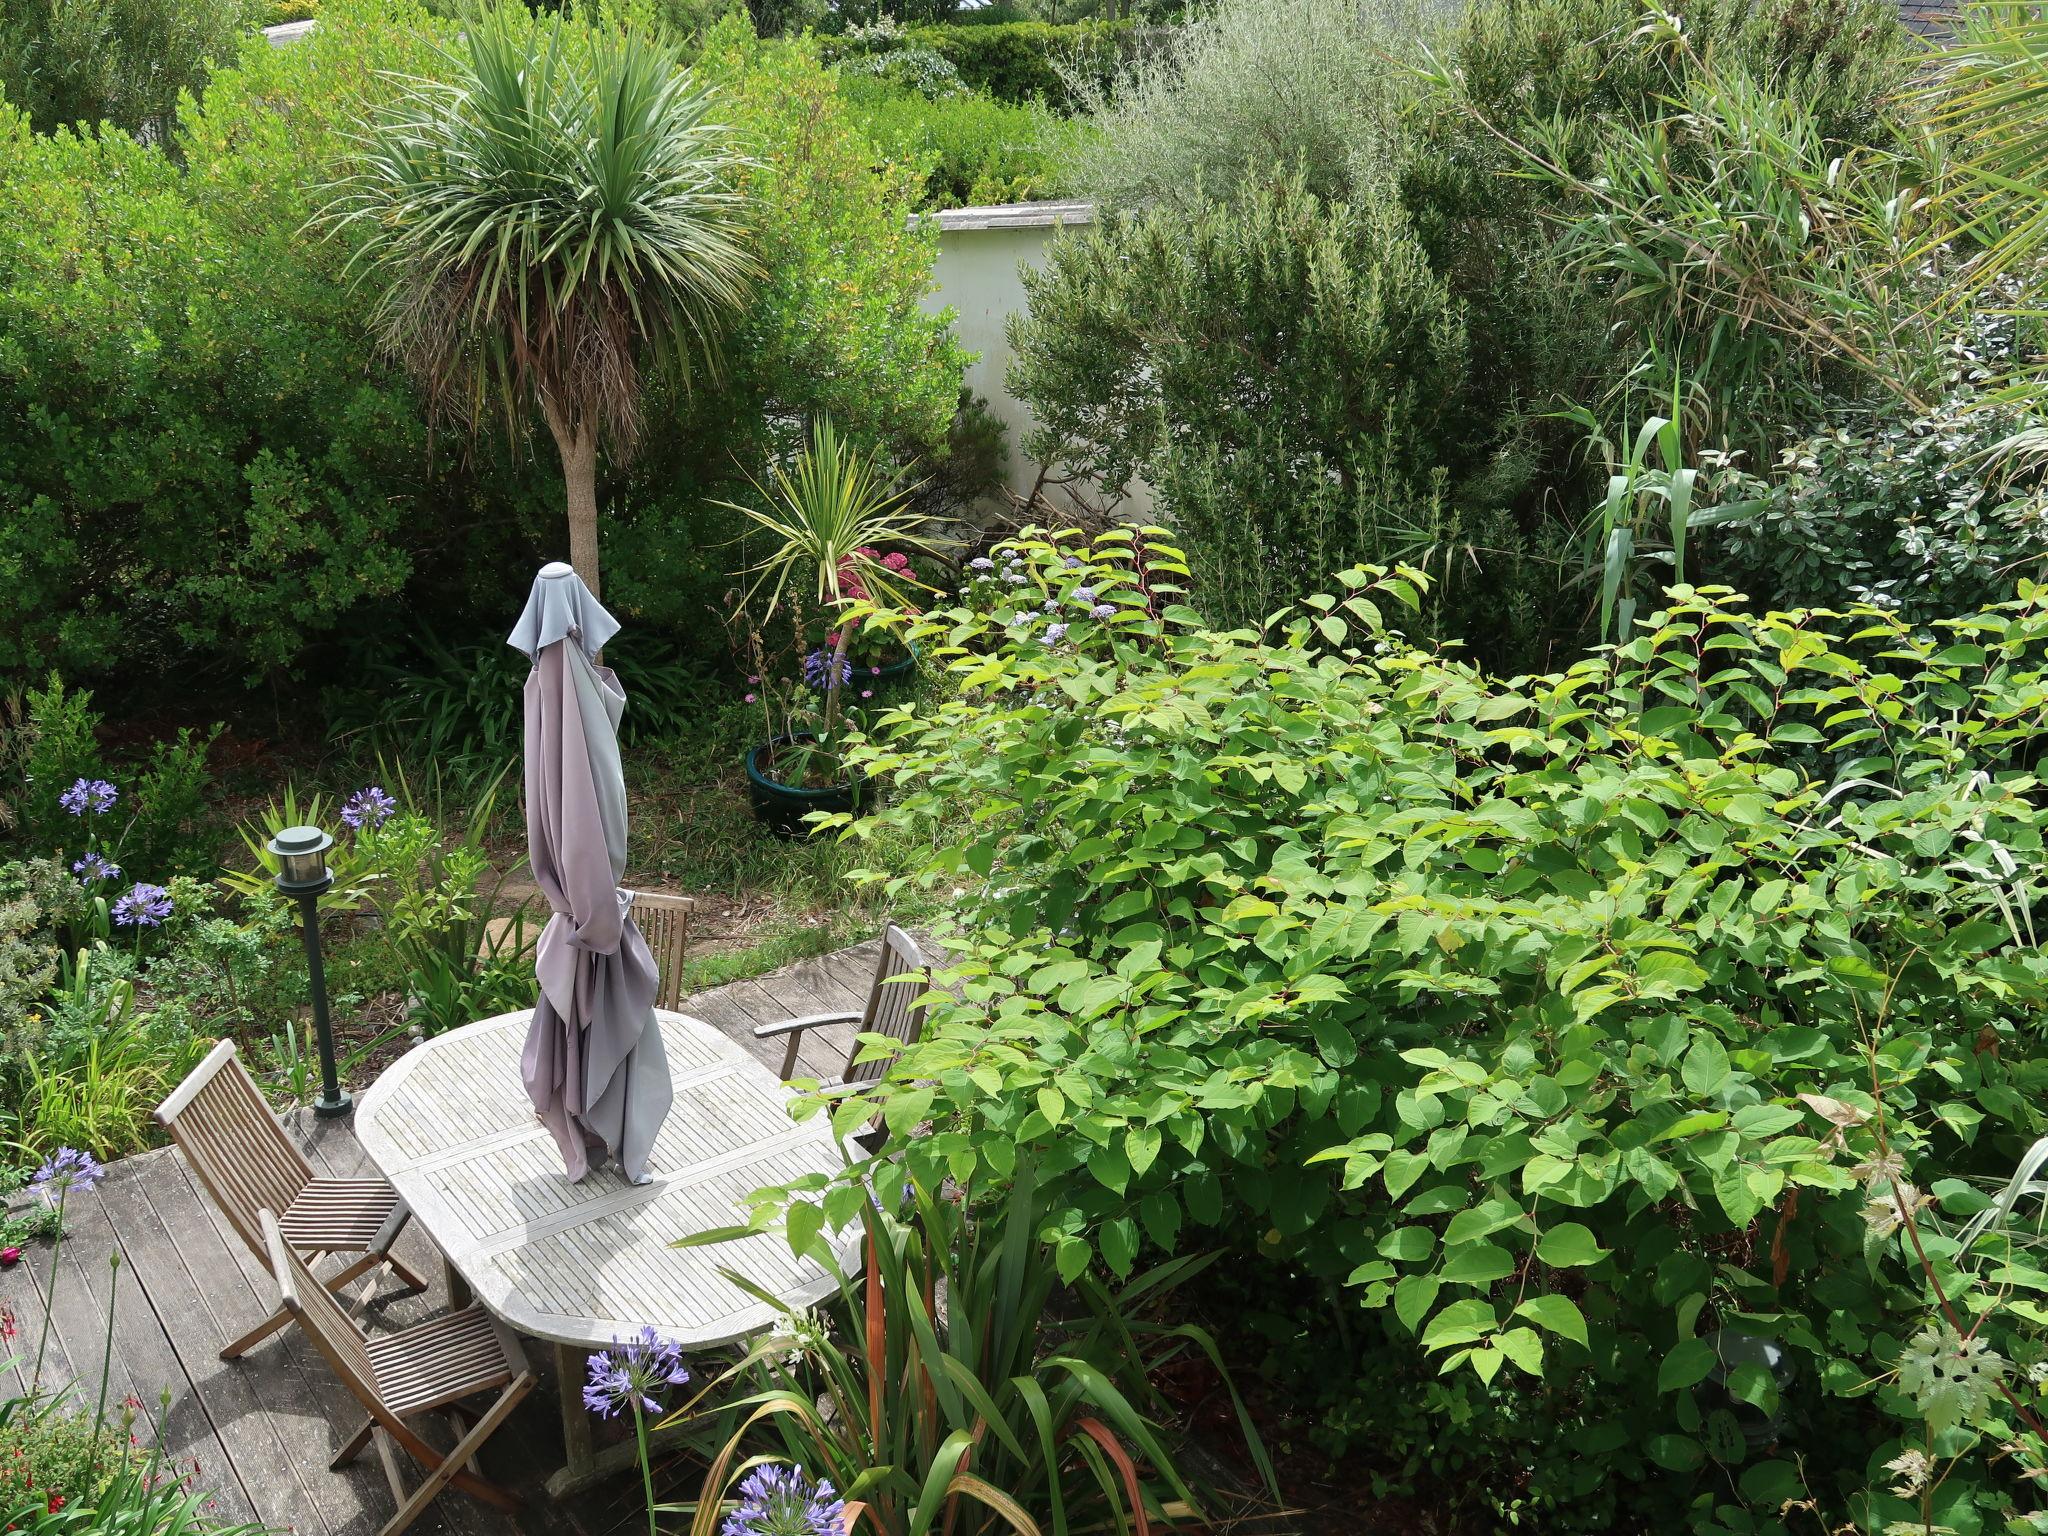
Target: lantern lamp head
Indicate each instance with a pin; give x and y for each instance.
(301, 859)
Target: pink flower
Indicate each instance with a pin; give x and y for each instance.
(867, 693)
(750, 698)
(9, 1257)
(874, 671)
(898, 563)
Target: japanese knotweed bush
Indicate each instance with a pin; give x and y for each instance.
(1588, 1030)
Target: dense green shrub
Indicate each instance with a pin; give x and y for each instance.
(1572, 1025)
(1289, 375)
(202, 464)
(1016, 62)
(978, 151)
(115, 61)
(1923, 512)
(1493, 482)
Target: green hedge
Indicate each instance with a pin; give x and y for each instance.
(973, 151)
(1017, 61)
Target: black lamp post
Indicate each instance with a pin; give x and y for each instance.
(302, 873)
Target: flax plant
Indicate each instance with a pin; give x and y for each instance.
(549, 226)
(827, 515)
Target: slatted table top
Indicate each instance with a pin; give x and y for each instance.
(584, 1264)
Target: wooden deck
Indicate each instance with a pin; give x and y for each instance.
(260, 1431)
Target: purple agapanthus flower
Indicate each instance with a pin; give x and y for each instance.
(783, 1501)
(66, 1170)
(92, 869)
(634, 1373)
(1055, 633)
(818, 667)
(368, 807)
(89, 797)
(145, 906)
(1103, 611)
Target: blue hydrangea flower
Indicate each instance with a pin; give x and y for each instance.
(634, 1373)
(145, 906)
(1021, 618)
(1103, 611)
(1071, 563)
(818, 667)
(89, 797)
(92, 869)
(368, 807)
(783, 1501)
(981, 563)
(1055, 633)
(1085, 596)
(67, 1170)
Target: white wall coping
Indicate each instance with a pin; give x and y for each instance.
(288, 32)
(1015, 216)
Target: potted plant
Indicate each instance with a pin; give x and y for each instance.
(828, 515)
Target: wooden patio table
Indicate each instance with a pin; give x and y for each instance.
(583, 1265)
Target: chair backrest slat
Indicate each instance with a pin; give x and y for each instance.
(219, 1120)
(665, 924)
(892, 1007)
(332, 1330)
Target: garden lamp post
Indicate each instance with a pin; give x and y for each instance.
(302, 873)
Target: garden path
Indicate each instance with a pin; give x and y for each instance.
(260, 1431)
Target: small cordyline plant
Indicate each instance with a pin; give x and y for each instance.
(980, 1416)
(634, 1376)
(826, 516)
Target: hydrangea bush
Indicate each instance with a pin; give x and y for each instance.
(1569, 1027)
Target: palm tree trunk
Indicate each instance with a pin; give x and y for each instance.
(578, 448)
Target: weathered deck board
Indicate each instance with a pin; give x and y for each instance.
(262, 1429)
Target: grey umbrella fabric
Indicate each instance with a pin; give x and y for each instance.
(594, 1065)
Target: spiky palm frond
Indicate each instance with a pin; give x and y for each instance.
(1989, 92)
(548, 223)
(834, 502)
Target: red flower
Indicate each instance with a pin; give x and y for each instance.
(56, 1502)
(9, 1257)
(7, 1326)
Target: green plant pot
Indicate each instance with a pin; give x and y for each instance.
(782, 807)
(895, 671)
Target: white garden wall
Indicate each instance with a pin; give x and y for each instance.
(982, 254)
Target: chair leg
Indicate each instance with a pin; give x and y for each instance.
(354, 1448)
(256, 1335)
(447, 1470)
(406, 1274)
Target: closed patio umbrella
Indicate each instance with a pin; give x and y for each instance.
(594, 1065)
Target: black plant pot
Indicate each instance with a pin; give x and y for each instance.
(782, 807)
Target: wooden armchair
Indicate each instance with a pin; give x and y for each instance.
(665, 924)
(247, 1164)
(396, 1377)
(889, 1010)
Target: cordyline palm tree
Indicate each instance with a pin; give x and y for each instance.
(550, 225)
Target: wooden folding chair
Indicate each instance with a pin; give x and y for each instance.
(427, 1367)
(218, 1118)
(889, 1011)
(665, 924)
